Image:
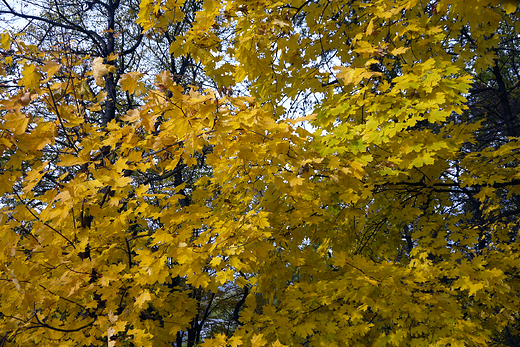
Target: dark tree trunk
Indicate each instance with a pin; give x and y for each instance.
(110, 84)
(508, 117)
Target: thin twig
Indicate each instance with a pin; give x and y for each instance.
(45, 223)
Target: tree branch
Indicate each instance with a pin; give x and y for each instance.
(98, 40)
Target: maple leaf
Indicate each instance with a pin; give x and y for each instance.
(190, 204)
(51, 67)
(143, 298)
(510, 6)
(199, 281)
(16, 122)
(258, 340)
(130, 82)
(5, 41)
(99, 70)
(31, 77)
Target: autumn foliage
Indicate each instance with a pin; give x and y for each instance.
(334, 185)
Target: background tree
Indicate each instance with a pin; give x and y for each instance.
(73, 31)
(386, 225)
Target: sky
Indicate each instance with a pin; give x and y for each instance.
(8, 23)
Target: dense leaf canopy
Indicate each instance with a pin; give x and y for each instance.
(260, 173)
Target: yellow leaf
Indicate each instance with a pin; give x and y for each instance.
(363, 307)
(121, 182)
(258, 340)
(31, 77)
(399, 50)
(236, 341)
(5, 41)
(277, 343)
(296, 181)
(281, 23)
(112, 56)
(370, 27)
(25, 99)
(119, 326)
(302, 119)
(474, 288)
(51, 67)
(215, 261)
(70, 160)
(33, 177)
(346, 74)
(16, 122)
(510, 6)
(130, 81)
(141, 299)
(15, 281)
(112, 317)
(199, 281)
(110, 333)
(148, 121)
(99, 70)
(131, 116)
(139, 191)
(219, 340)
